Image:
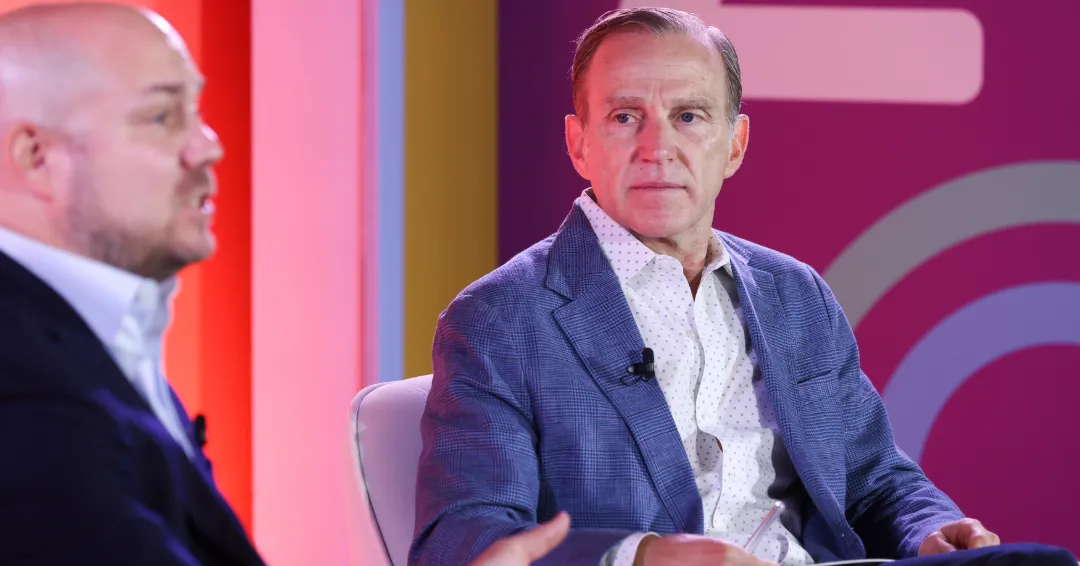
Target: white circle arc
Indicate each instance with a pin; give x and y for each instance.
(986, 329)
(959, 210)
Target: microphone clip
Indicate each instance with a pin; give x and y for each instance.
(642, 371)
(200, 430)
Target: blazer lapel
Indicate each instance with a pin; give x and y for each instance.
(198, 457)
(68, 331)
(209, 512)
(598, 323)
(764, 316)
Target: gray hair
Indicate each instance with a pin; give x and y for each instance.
(658, 22)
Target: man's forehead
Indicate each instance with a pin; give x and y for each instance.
(640, 64)
(639, 46)
(97, 58)
(157, 68)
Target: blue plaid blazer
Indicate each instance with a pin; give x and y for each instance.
(527, 415)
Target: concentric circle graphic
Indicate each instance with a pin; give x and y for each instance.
(986, 328)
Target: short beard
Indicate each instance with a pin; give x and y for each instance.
(91, 234)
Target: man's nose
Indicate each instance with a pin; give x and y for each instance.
(204, 149)
(656, 142)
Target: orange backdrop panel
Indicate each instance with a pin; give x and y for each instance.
(220, 311)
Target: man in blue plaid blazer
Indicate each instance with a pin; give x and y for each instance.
(531, 413)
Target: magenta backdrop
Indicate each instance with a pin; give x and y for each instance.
(950, 232)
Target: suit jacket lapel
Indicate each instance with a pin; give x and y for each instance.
(67, 330)
(598, 323)
(198, 458)
(212, 515)
(764, 315)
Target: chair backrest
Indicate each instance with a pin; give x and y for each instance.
(386, 438)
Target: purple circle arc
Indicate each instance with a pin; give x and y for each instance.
(999, 324)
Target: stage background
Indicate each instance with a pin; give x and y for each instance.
(381, 155)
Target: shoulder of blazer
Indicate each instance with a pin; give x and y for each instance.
(45, 346)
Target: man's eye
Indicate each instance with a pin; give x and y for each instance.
(687, 117)
(164, 118)
(174, 117)
(623, 118)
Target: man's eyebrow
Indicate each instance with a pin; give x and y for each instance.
(173, 89)
(704, 103)
(624, 101)
(696, 103)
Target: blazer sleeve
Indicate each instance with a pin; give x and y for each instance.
(478, 479)
(891, 503)
(68, 494)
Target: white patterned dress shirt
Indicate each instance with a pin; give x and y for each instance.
(708, 373)
(128, 313)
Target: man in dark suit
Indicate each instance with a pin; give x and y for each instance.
(105, 187)
(749, 394)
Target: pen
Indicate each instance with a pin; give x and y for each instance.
(759, 533)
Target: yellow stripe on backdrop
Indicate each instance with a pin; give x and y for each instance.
(451, 160)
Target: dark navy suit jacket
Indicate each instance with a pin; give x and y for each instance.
(528, 414)
(88, 474)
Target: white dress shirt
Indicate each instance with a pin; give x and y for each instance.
(128, 313)
(709, 375)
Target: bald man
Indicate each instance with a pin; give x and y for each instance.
(105, 194)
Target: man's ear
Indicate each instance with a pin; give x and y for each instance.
(26, 153)
(575, 144)
(740, 137)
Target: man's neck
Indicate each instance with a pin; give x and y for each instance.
(691, 249)
(29, 227)
(79, 247)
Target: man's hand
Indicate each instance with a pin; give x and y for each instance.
(961, 535)
(523, 548)
(692, 550)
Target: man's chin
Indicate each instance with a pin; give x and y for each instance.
(202, 252)
(657, 228)
(192, 252)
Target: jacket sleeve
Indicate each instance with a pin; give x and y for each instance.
(478, 479)
(891, 503)
(68, 494)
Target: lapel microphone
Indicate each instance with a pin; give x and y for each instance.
(643, 371)
(200, 430)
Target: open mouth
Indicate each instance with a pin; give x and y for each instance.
(204, 202)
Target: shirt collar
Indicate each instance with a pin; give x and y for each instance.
(100, 293)
(628, 256)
